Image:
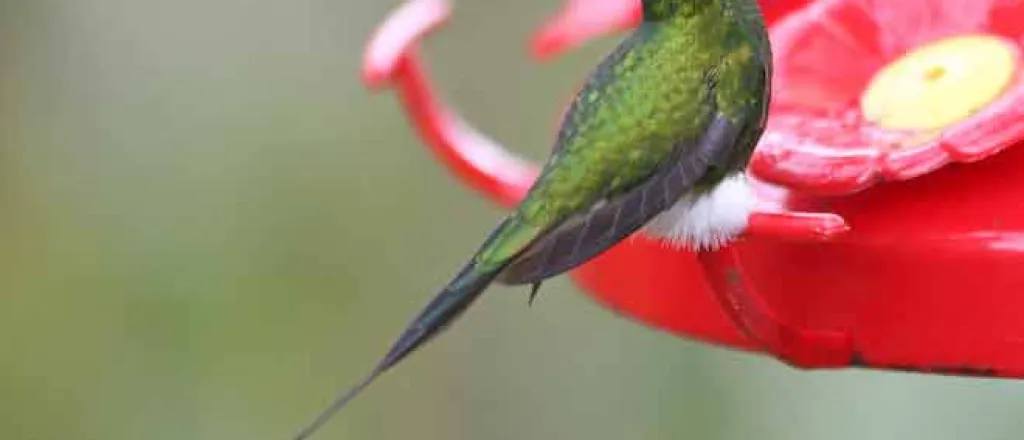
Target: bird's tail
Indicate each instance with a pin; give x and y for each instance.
(448, 305)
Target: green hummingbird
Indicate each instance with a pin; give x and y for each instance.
(657, 139)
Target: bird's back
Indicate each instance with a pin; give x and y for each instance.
(652, 94)
(644, 98)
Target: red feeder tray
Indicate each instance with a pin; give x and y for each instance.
(925, 278)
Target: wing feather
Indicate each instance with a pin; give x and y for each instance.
(585, 235)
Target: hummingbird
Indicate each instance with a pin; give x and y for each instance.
(656, 140)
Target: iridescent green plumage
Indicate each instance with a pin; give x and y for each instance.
(674, 109)
(689, 62)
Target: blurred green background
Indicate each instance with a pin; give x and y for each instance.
(208, 227)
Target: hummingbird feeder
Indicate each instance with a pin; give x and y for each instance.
(890, 227)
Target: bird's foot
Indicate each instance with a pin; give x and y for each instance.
(534, 289)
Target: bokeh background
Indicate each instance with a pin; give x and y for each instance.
(208, 227)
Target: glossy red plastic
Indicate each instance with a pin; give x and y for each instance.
(581, 20)
(925, 277)
(825, 55)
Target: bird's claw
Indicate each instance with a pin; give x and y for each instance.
(533, 293)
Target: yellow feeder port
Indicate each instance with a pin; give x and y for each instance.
(941, 83)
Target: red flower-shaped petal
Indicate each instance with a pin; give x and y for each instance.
(392, 58)
(818, 138)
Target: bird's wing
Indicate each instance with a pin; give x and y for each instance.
(586, 234)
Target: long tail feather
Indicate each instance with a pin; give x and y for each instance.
(435, 317)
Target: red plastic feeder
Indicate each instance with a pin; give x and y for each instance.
(928, 275)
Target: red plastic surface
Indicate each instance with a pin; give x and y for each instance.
(582, 20)
(925, 280)
(825, 55)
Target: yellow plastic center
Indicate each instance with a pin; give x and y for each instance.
(941, 83)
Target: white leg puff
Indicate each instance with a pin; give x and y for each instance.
(707, 221)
